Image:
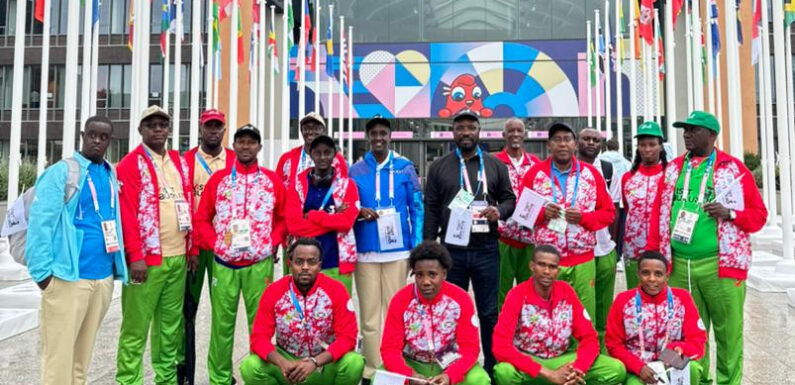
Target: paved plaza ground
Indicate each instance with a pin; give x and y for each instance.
(769, 345)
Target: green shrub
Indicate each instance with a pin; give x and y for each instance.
(27, 177)
(751, 160)
(758, 177)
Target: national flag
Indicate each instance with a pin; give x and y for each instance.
(677, 4)
(38, 12)
(636, 19)
(165, 25)
(240, 52)
(660, 55)
(329, 38)
(619, 49)
(739, 24)
(343, 59)
(646, 20)
(315, 46)
(756, 43)
(130, 24)
(290, 26)
(789, 12)
(714, 28)
(592, 70)
(272, 51)
(254, 39)
(224, 8)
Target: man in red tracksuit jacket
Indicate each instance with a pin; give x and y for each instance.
(535, 329)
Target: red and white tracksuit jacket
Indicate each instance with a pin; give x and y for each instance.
(328, 315)
(577, 243)
(319, 222)
(684, 329)
(734, 241)
(289, 165)
(529, 325)
(258, 196)
(638, 191)
(511, 233)
(140, 205)
(449, 319)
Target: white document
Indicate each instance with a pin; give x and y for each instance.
(386, 378)
(459, 227)
(659, 369)
(680, 377)
(528, 207)
(390, 230)
(15, 219)
(732, 198)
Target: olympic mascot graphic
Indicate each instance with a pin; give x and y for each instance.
(464, 94)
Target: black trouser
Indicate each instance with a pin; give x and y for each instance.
(193, 292)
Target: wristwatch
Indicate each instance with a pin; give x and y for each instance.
(732, 215)
(314, 361)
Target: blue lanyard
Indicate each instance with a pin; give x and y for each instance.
(639, 317)
(704, 178)
(296, 304)
(328, 195)
(204, 164)
(234, 188)
(464, 175)
(302, 166)
(556, 179)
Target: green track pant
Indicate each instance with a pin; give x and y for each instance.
(345, 279)
(228, 285)
(156, 303)
(346, 371)
(475, 376)
(720, 304)
(631, 273)
(695, 375)
(605, 288)
(514, 264)
(581, 278)
(604, 371)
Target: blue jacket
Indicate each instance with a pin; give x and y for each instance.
(53, 243)
(408, 201)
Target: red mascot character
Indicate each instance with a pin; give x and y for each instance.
(464, 94)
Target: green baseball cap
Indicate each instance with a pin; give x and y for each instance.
(700, 119)
(650, 128)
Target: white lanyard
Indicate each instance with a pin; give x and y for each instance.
(94, 195)
(704, 178)
(391, 182)
(427, 326)
(245, 191)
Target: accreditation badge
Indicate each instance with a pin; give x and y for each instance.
(390, 230)
(479, 223)
(462, 200)
(110, 236)
(240, 231)
(684, 226)
(448, 359)
(559, 224)
(183, 215)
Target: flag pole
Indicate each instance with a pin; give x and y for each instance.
(175, 116)
(44, 92)
(271, 101)
(70, 83)
(209, 69)
(15, 139)
(588, 61)
(618, 51)
(166, 66)
(733, 83)
(262, 67)
(285, 126)
(195, 72)
(597, 96)
(633, 86)
(688, 52)
(766, 102)
(782, 121)
(670, 77)
(790, 100)
(301, 65)
(132, 44)
(342, 84)
(85, 81)
(710, 63)
(231, 123)
(253, 81)
(316, 52)
(719, 99)
(608, 80)
(657, 72)
(647, 79)
(92, 107)
(698, 64)
(330, 77)
(350, 95)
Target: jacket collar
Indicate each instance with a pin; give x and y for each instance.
(85, 162)
(434, 300)
(662, 296)
(243, 169)
(650, 170)
(531, 296)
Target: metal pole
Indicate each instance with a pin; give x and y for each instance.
(44, 91)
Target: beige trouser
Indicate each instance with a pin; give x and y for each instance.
(71, 313)
(376, 284)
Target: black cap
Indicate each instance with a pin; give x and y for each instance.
(248, 129)
(378, 120)
(466, 115)
(560, 126)
(322, 139)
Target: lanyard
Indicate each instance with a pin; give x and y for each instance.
(161, 178)
(245, 191)
(391, 181)
(520, 162)
(639, 318)
(302, 316)
(304, 162)
(328, 195)
(464, 176)
(296, 304)
(204, 164)
(563, 193)
(704, 178)
(427, 326)
(94, 195)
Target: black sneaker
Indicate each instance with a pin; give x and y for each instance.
(365, 381)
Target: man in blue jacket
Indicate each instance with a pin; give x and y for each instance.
(389, 226)
(74, 250)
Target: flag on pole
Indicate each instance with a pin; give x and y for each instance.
(166, 17)
(789, 12)
(239, 38)
(225, 9)
(315, 45)
(677, 4)
(618, 52)
(739, 24)
(216, 40)
(329, 38)
(290, 27)
(592, 70)
(660, 55)
(130, 24)
(756, 43)
(645, 21)
(343, 59)
(272, 52)
(254, 39)
(172, 26)
(636, 30)
(38, 12)
(714, 28)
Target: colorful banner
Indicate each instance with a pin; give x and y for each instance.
(438, 80)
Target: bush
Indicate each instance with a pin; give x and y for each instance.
(758, 178)
(27, 177)
(751, 160)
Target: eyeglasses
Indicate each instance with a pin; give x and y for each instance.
(561, 139)
(307, 261)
